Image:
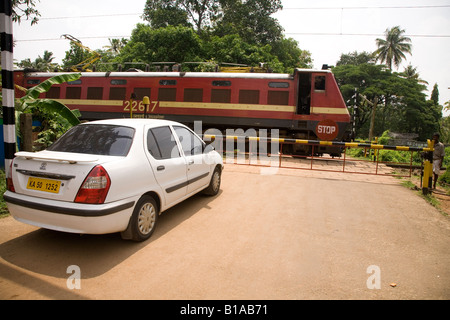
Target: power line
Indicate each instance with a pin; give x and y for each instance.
(299, 8)
(92, 16)
(286, 33)
(55, 39)
(364, 34)
(369, 8)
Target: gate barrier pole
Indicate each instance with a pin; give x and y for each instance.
(428, 169)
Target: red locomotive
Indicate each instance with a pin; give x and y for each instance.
(304, 105)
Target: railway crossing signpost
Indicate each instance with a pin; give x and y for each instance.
(327, 130)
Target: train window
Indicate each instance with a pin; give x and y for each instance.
(278, 98)
(319, 83)
(53, 93)
(221, 83)
(95, 93)
(118, 82)
(221, 95)
(249, 96)
(167, 82)
(167, 94)
(73, 92)
(193, 95)
(117, 93)
(33, 81)
(278, 84)
(142, 92)
(74, 82)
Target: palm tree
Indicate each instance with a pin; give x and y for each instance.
(44, 63)
(115, 45)
(393, 48)
(411, 73)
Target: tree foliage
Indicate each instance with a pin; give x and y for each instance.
(163, 13)
(171, 44)
(44, 63)
(182, 44)
(25, 9)
(402, 105)
(56, 117)
(251, 20)
(231, 31)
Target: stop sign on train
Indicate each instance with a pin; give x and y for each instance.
(327, 130)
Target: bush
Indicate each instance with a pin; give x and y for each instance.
(445, 177)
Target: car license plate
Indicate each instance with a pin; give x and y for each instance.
(43, 184)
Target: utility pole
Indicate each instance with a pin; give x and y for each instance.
(374, 109)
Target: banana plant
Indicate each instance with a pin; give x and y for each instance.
(31, 100)
(60, 113)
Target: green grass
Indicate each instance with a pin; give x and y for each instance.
(408, 184)
(3, 209)
(430, 198)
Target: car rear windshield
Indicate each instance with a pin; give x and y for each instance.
(101, 139)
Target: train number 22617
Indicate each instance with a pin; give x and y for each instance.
(139, 106)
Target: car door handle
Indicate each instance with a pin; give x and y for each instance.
(191, 162)
(160, 168)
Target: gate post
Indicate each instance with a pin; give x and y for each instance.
(428, 169)
(9, 123)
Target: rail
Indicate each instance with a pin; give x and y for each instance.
(283, 160)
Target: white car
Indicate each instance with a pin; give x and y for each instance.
(111, 176)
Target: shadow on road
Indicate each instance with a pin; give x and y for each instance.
(50, 252)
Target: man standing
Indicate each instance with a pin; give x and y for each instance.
(438, 157)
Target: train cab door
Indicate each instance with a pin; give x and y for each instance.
(311, 92)
(304, 93)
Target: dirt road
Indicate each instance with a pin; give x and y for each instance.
(295, 234)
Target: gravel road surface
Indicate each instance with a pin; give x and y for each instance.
(270, 234)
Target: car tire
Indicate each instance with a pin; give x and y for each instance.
(214, 185)
(144, 218)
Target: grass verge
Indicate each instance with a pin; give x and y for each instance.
(430, 198)
(3, 209)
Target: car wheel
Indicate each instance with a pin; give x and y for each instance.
(214, 184)
(144, 218)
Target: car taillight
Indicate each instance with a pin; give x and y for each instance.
(95, 187)
(9, 180)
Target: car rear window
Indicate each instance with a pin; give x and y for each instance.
(101, 139)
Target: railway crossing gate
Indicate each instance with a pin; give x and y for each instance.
(246, 150)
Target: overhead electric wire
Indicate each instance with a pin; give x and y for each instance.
(369, 7)
(287, 33)
(92, 16)
(364, 34)
(298, 8)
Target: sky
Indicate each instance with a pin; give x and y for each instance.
(326, 28)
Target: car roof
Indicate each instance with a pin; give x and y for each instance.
(135, 122)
